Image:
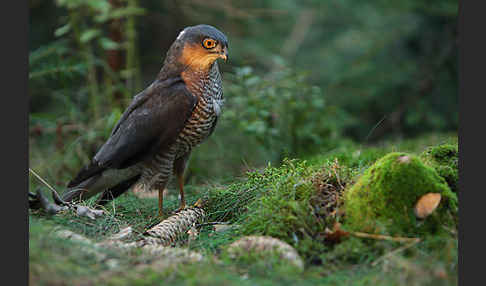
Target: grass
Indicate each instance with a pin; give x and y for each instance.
(281, 201)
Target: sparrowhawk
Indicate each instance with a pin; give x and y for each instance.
(156, 133)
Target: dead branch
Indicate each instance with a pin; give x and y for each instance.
(155, 243)
(385, 237)
(41, 201)
(337, 233)
(169, 255)
(45, 183)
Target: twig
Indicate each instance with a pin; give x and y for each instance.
(55, 194)
(47, 206)
(59, 204)
(374, 127)
(42, 180)
(385, 237)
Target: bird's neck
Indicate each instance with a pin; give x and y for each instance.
(198, 81)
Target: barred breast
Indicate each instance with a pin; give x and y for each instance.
(208, 88)
(202, 122)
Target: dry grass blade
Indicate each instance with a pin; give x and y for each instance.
(329, 185)
(55, 194)
(42, 180)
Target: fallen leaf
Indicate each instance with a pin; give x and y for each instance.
(336, 234)
(427, 204)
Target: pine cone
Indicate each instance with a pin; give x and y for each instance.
(166, 232)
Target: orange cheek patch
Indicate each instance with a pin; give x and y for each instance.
(197, 57)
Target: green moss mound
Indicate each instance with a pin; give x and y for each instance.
(444, 159)
(383, 198)
(294, 202)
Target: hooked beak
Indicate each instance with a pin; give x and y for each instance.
(224, 54)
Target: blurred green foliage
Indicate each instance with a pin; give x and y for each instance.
(303, 76)
(285, 114)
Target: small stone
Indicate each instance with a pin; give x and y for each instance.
(260, 244)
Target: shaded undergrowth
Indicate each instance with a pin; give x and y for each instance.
(297, 202)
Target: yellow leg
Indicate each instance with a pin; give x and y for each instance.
(161, 202)
(180, 179)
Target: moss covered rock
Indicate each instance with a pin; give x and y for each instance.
(383, 198)
(444, 159)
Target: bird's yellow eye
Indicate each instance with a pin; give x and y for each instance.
(209, 43)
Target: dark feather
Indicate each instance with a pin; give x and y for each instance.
(116, 191)
(151, 122)
(213, 126)
(87, 172)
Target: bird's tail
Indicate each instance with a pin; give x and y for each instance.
(113, 182)
(82, 190)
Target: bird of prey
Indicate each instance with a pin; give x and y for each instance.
(156, 133)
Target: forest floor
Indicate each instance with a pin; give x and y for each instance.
(271, 201)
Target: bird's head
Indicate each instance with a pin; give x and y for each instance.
(198, 47)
